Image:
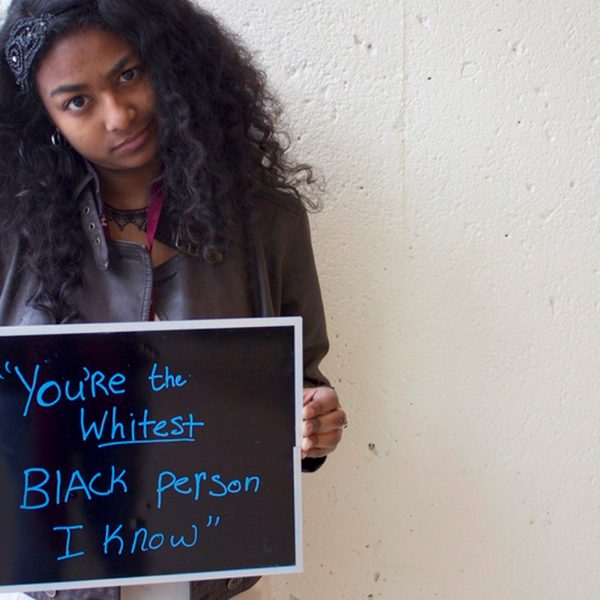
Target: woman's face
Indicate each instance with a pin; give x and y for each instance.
(98, 94)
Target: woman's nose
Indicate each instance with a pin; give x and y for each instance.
(118, 114)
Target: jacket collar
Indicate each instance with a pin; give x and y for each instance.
(89, 178)
(87, 197)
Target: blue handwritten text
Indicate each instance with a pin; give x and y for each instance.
(193, 485)
(48, 393)
(42, 488)
(165, 380)
(111, 430)
(68, 529)
(144, 541)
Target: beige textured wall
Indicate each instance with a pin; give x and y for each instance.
(459, 258)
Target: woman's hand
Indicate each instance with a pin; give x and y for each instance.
(324, 421)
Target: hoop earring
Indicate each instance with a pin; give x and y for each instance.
(57, 139)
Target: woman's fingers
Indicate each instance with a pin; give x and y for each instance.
(320, 444)
(319, 401)
(336, 419)
(324, 420)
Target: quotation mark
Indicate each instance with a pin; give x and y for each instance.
(213, 522)
(7, 369)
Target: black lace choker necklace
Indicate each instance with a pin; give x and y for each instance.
(122, 218)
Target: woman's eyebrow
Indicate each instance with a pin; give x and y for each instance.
(80, 87)
(68, 89)
(120, 65)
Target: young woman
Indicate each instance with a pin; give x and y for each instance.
(141, 178)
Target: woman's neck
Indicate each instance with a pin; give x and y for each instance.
(126, 190)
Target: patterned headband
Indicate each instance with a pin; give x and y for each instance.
(26, 39)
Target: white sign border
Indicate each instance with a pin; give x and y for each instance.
(131, 327)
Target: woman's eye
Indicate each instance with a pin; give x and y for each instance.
(76, 103)
(129, 74)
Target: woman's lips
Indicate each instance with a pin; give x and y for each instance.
(134, 142)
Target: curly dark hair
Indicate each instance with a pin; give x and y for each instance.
(219, 144)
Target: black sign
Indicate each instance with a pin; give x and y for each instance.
(158, 450)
